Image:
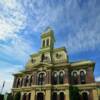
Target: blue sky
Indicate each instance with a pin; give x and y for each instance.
(76, 24)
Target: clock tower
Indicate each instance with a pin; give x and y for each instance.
(47, 39)
(47, 45)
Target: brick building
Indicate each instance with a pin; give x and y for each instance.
(49, 74)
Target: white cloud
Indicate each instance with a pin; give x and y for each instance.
(12, 18)
(6, 75)
(97, 79)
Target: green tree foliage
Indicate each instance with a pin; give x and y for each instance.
(17, 96)
(74, 93)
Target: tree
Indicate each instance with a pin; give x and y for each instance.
(74, 93)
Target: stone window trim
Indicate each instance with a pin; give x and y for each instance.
(41, 72)
(41, 80)
(84, 91)
(78, 71)
(62, 71)
(83, 71)
(74, 71)
(58, 72)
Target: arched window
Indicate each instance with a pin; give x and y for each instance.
(61, 78)
(42, 57)
(18, 83)
(62, 96)
(41, 78)
(54, 96)
(40, 96)
(82, 77)
(21, 82)
(31, 79)
(24, 97)
(75, 78)
(26, 80)
(29, 96)
(85, 96)
(47, 42)
(43, 44)
(55, 78)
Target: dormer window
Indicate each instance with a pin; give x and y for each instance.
(58, 55)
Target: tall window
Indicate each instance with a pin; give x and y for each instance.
(29, 96)
(22, 82)
(42, 57)
(26, 80)
(43, 44)
(61, 78)
(55, 78)
(61, 96)
(75, 78)
(54, 96)
(41, 79)
(82, 77)
(40, 96)
(47, 42)
(24, 96)
(31, 79)
(18, 83)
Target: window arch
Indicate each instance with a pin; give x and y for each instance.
(54, 96)
(82, 77)
(54, 78)
(61, 77)
(75, 77)
(61, 96)
(41, 77)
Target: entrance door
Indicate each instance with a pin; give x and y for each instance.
(85, 96)
(40, 96)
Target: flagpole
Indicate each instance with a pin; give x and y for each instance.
(2, 87)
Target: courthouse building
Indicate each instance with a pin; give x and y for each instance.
(49, 74)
